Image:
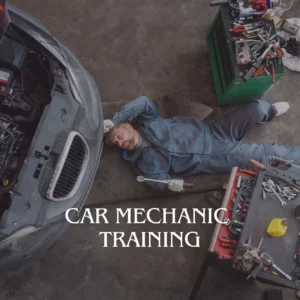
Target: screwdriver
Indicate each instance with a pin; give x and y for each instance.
(262, 167)
(227, 240)
(273, 72)
(227, 246)
(297, 255)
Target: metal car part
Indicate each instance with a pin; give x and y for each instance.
(65, 166)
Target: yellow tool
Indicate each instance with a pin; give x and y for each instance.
(277, 227)
(5, 181)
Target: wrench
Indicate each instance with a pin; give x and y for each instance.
(142, 179)
(255, 52)
(283, 203)
(256, 65)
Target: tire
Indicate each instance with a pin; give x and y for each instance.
(34, 253)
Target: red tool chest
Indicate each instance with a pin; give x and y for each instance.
(222, 230)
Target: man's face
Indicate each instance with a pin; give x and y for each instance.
(124, 136)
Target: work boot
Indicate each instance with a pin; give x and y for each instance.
(282, 108)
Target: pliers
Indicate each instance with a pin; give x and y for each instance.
(238, 29)
(247, 28)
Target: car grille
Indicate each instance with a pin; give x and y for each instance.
(70, 169)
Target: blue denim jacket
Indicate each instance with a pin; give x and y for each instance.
(178, 137)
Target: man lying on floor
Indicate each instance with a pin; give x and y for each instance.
(183, 146)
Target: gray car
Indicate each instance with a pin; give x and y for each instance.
(50, 136)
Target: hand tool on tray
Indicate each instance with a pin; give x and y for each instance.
(262, 167)
(268, 261)
(259, 267)
(289, 192)
(259, 61)
(267, 186)
(142, 179)
(260, 243)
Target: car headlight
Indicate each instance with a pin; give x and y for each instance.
(25, 239)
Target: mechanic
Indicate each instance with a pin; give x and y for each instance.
(183, 146)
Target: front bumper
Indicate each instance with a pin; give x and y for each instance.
(29, 204)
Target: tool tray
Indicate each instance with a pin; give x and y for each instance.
(232, 192)
(260, 214)
(241, 70)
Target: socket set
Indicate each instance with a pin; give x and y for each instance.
(241, 202)
(226, 235)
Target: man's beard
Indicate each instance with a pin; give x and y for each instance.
(129, 144)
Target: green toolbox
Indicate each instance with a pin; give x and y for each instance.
(228, 74)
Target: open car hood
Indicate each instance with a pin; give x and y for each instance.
(4, 18)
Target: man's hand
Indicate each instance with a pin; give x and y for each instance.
(176, 185)
(108, 125)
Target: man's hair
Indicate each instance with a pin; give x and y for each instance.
(108, 136)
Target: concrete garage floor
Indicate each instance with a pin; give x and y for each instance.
(137, 48)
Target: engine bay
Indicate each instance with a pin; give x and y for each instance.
(25, 86)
